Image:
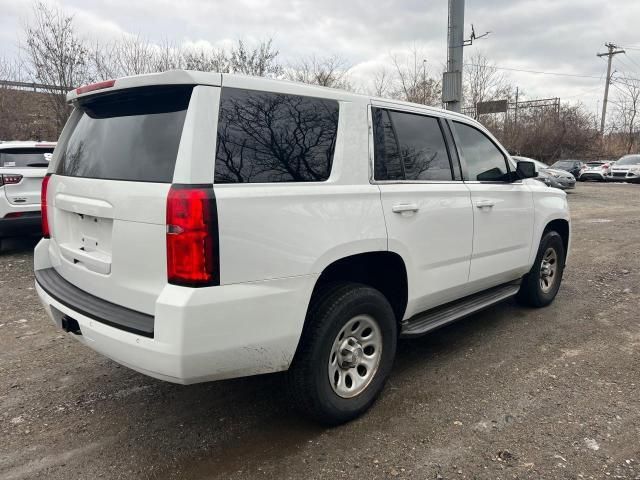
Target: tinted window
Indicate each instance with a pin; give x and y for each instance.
(272, 137)
(25, 157)
(484, 161)
(408, 147)
(128, 135)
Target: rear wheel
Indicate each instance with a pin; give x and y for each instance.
(540, 286)
(345, 354)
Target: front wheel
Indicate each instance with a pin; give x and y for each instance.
(345, 354)
(540, 286)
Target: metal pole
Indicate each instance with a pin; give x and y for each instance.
(452, 87)
(515, 115)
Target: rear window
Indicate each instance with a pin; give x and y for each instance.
(409, 146)
(268, 137)
(128, 135)
(25, 157)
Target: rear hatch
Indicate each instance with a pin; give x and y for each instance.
(109, 190)
(31, 165)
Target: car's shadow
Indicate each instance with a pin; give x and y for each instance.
(13, 245)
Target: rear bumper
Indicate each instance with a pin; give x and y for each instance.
(199, 334)
(14, 227)
(592, 176)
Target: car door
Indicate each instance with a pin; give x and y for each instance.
(502, 209)
(427, 207)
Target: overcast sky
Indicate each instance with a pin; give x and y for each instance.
(546, 35)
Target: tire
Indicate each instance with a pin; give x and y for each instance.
(538, 290)
(333, 310)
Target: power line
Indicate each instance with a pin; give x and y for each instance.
(627, 57)
(560, 74)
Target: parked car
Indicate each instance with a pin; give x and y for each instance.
(627, 169)
(23, 165)
(595, 170)
(200, 226)
(550, 176)
(572, 166)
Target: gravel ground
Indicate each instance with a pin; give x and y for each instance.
(507, 393)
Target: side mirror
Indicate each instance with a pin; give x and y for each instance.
(526, 169)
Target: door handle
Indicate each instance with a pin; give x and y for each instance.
(404, 207)
(485, 203)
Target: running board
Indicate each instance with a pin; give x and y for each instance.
(425, 322)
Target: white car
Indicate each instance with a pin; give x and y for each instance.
(23, 165)
(595, 170)
(627, 169)
(201, 226)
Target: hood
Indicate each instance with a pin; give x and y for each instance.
(557, 171)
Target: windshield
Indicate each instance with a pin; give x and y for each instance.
(595, 164)
(128, 135)
(563, 164)
(25, 157)
(629, 160)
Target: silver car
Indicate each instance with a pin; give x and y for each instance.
(551, 177)
(595, 170)
(627, 169)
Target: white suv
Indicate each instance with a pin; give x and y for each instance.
(201, 226)
(23, 165)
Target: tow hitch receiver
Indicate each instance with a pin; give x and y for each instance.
(71, 325)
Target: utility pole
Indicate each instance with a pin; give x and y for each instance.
(610, 53)
(424, 81)
(515, 120)
(452, 79)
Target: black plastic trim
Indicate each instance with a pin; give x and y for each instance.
(93, 307)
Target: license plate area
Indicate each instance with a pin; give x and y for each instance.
(86, 241)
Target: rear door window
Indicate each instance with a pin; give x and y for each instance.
(25, 157)
(128, 135)
(268, 137)
(409, 146)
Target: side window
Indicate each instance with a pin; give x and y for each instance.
(408, 146)
(484, 161)
(273, 137)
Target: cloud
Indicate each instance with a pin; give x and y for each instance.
(545, 35)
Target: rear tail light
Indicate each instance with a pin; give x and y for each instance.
(606, 165)
(10, 179)
(43, 206)
(192, 236)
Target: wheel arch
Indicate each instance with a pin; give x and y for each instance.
(381, 269)
(563, 228)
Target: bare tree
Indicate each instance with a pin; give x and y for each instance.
(56, 55)
(414, 82)
(628, 110)
(381, 82)
(331, 71)
(483, 81)
(205, 60)
(260, 61)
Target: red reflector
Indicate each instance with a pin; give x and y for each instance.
(13, 215)
(43, 206)
(11, 179)
(95, 86)
(192, 227)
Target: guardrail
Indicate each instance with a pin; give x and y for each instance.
(33, 86)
